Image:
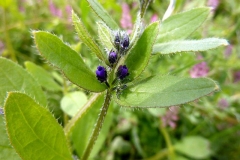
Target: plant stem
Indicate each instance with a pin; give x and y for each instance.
(168, 141)
(98, 126)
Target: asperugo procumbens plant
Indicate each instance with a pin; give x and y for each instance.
(33, 131)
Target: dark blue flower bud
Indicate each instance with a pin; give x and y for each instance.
(112, 57)
(117, 39)
(101, 74)
(124, 42)
(122, 72)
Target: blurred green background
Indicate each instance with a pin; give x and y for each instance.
(206, 129)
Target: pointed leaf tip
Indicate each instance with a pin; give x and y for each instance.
(165, 91)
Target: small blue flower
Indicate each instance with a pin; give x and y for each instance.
(101, 74)
(112, 57)
(124, 42)
(122, 72)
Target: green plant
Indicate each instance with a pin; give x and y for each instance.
(32, 130)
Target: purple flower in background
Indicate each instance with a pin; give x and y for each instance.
(54, 10)
(171, 117)
(228, 51)
(213, 3)
(68, 9)
(199, 70)
(223, 103)
(126, 19)
(236, 76)
(154, 18)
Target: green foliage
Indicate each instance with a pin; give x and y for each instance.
(72, 102)
(158, 133)
(139, 55)
(67, 60)
(86, 38)
(165, 91)
(83, 123)
(15, 78)
(182, 25)
(194, 147)
(7, 151)
(188, 45)
(33, 131)
(102, 14)
(105, 36)
(42, 76)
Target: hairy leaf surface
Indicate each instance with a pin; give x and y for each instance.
(139, 55)
(181, 25)
(69, 61)
(86, 37)
(188, 45)
(164, 91)
(33, 131)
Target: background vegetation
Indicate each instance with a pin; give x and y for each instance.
(206, 129)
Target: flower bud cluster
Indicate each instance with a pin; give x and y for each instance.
(121, 42)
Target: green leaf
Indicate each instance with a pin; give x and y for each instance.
(105, 36)
(182, 25)
(7, 151)
(42, 76)
(188, 45)
(86, 37)
(164, 91)
(102, 14)
(72, 102)
(15, 78)
(33, 131)
(139, 55)
(69, 61)
(194, 146)
(81, 125)
(143, 7)
(138, 26)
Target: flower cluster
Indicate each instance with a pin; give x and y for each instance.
(171, 117)
(121, 42)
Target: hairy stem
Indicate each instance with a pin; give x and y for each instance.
(98, 126)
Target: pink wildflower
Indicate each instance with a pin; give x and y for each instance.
(54, 10)
(126, 19)
(223, 103)
(228, 51)
(213, 3)
(171, 117)
(68, 9)
(154, 18)
(199, 70)
(236, 77)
